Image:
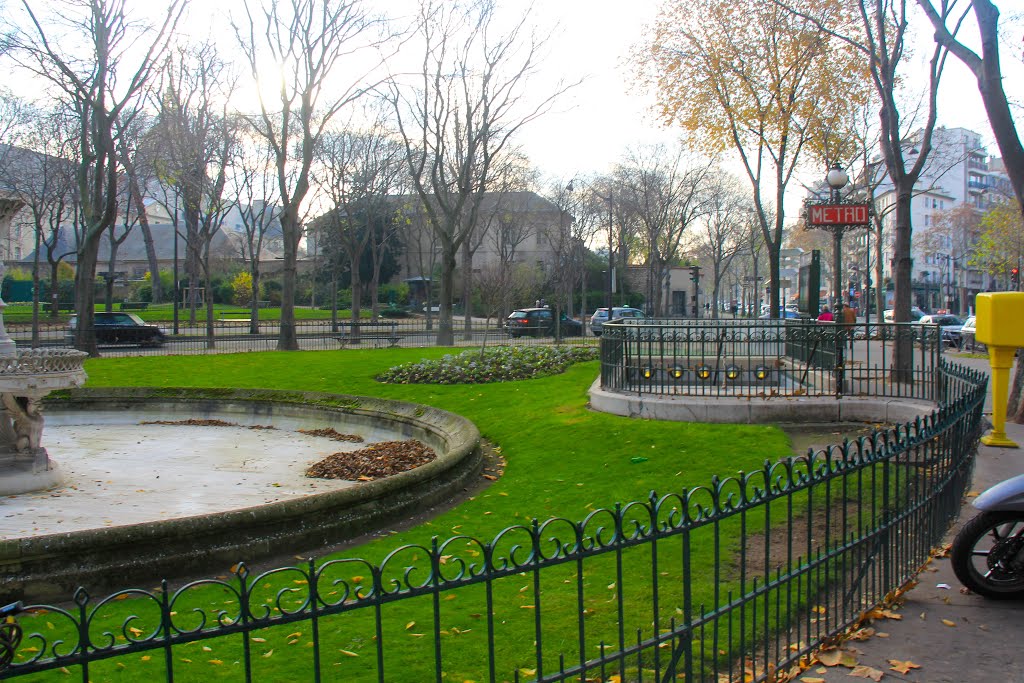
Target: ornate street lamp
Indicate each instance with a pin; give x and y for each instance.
(837, 179)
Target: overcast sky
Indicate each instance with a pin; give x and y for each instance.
(604, 116)
(593, 124)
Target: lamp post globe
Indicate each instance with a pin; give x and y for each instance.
(837, 178)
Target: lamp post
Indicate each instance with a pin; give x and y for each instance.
(611, 253)
(837, 179)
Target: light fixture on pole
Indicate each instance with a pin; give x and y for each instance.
(837, 179)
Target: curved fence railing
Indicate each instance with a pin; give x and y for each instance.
(769, 358)
(796, 552)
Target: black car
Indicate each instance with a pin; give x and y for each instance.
(122, 328)
(540, 322)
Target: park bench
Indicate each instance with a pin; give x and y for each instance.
(234, 316)
(353, 333)
(64, 307)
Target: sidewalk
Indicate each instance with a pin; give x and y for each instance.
(985, 642)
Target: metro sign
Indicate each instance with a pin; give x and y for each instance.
(838, 214)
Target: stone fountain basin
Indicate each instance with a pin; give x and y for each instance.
(53, 565)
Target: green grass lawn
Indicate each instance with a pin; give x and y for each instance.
(563, 460)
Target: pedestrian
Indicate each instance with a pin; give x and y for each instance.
(825, 316)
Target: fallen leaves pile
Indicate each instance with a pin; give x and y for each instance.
(192, 422)
(198, 422)
(334, 435)
(378, 460)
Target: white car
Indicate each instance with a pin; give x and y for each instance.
(915, 314)
(618, 312)
(968, 331)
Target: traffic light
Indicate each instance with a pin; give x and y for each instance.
(1015, 278)
(694, 273)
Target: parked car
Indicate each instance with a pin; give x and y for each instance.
(121, 328)
(540, 322)
(950, 328)
(786, 314)
(915, 314)
(968, 332)
(600, 316)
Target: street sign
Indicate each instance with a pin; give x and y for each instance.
(819, 215)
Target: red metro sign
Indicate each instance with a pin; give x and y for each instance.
(821, 215)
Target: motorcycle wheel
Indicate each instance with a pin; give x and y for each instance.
(988, 555)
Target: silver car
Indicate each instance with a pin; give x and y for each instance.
(950, 328)
(600, 316)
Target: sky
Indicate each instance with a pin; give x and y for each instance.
(592, 125)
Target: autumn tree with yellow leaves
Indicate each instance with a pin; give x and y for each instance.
(764, 82)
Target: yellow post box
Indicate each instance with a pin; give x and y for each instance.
(1001, 329)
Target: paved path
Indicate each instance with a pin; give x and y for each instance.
(985, 642)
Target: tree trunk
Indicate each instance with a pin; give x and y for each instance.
(287, 340)
(156, 285)
(35, 292)
(357, 296)
(210, 335)
(467, 289)
(903, 344)
(85, 295)
(254, 315)
(445, 332)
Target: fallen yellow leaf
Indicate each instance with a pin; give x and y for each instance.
(348, 653)
(267, 653)
(867, 672)
(947, 622)
(216, 662)
(902, 667)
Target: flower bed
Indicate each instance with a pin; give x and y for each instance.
(499, 364)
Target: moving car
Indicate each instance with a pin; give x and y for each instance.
(121, 328)
(600, 316)
(950, 328)
(540, 322)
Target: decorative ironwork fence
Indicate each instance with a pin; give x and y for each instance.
(767, 358)
(795, 551)
(233, 336)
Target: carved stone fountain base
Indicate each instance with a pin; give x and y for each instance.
(25, 379)
(25, 472)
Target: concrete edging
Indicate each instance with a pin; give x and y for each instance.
(54, 565)
(754, 410)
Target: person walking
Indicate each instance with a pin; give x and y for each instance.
(826, 315)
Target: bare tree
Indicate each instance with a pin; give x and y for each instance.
(666, 193)
(255, 189)
(719, 237)
(135, 151)
(43, 180)
(470, 102)
(358, 171)
(310, 40)
(89, 63)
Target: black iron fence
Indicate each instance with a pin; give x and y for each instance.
(768, 358)
(233, 335)
(796, 552)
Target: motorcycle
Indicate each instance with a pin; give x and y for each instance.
(988, 552)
